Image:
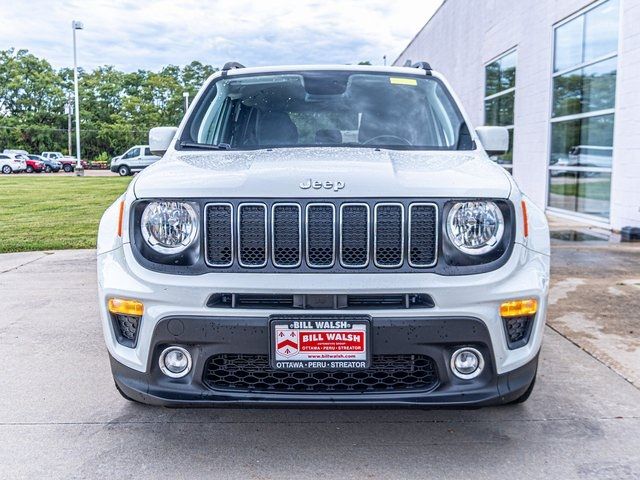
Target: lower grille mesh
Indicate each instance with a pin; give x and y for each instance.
(126, 329)
(518, 330)
(388, 373)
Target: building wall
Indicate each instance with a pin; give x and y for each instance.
(464, 35)
(625, 182)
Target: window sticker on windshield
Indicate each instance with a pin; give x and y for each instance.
(403, 81)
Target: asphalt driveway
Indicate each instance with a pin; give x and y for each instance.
(61, 417)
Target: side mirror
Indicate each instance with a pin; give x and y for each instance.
(495, 140)
(160, 139)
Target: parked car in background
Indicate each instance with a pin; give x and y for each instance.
(11, 163)
(49, 165)
(68, 163)
(133, 160)
(32, 165)
(15, 151)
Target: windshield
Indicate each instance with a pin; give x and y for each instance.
(328, 109)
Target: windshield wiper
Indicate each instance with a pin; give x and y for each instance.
(205, 146)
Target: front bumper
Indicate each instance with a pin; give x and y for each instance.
(435, 338)
(472, 298)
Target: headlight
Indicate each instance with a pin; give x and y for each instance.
(475, 228)
(169, 227)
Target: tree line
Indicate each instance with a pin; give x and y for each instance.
(117, 109)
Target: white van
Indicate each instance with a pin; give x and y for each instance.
(133, 160)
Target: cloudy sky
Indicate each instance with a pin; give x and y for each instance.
(149, 34)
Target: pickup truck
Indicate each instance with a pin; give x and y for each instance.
(68, 163)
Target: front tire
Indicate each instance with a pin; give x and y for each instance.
(6, 170)
(124, 171)
(29, 169)
(67, 168)
(47, 169)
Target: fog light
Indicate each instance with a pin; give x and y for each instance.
(467, 363)
(175, 362)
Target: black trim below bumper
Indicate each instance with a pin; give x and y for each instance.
(437, 338)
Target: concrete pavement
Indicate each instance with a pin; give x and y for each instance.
(61, 417)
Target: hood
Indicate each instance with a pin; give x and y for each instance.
(323, 173)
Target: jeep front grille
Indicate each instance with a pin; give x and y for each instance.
(338, 235)
(286, 240)
(252, 235)
(423, 234)
(389, 235)
(320, 235)
(354, 235)
(219, 234)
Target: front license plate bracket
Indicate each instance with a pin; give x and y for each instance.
(320, 342)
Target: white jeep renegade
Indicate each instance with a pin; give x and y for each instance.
(324, 235)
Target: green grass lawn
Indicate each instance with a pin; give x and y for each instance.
(49, 212)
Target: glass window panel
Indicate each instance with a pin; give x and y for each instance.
(499, 110)
(583, 192)
(501, 74)
(492, 78)
(601, 30)
(585, 142)
(569, 44)
(508, 71)
(585, 90)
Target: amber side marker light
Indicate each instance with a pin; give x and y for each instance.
(519, 308)
(125, 307)
(120, 218)
(525, 218)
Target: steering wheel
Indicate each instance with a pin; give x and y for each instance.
(393, 137)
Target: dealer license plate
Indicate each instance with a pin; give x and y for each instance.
(320, 343)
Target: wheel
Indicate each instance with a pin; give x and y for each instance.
(6, 169)
(125, 396)
(29, 169)
(525, 396)
(48, 169)
(67, 168)
(123, 170)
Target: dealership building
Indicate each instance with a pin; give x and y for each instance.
(564, 78)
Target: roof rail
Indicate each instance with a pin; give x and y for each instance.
(422, 65)
(231, 65)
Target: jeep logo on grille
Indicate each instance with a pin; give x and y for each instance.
(334, 185)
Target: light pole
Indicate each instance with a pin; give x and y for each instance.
(69, 114)
(76, 25)
(186, 101)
